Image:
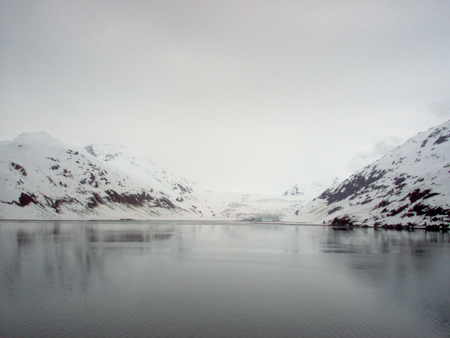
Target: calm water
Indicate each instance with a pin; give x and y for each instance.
(212, 279)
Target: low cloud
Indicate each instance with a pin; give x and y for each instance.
(364, 158)
(440, 109)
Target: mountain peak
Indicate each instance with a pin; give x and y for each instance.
(305, 191)
(41, 138)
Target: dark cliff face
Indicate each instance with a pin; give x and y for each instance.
(354, 186)
(24, 200)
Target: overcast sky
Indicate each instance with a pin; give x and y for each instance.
(249, 96)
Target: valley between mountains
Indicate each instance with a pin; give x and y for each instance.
(46, 179)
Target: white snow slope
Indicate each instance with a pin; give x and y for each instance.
(409, 185)
(43, 178)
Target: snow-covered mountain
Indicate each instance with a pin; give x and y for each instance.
(307, 192)
(43, 178)
(411, 184)
(138, 167)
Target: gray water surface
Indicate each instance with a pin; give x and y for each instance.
(219, 279)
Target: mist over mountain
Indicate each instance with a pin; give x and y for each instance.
(44, 178)
(409, 185)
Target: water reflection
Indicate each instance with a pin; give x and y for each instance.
(58, 252)
(409, 267)
(185, 278)
(23, 238)
(129, 235)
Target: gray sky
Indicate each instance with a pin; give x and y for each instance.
(241, 95)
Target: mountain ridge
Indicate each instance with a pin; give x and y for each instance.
(409, 185)
(44, 178)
